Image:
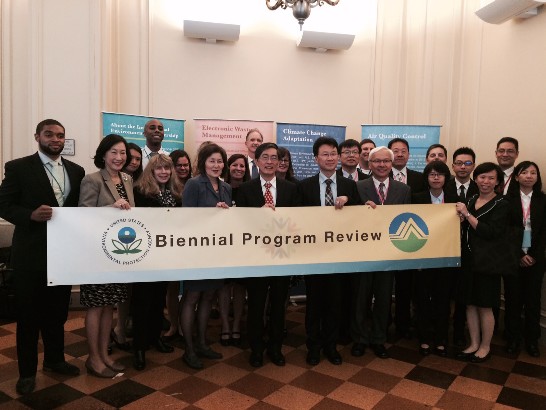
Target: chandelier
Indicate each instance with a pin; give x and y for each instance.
(300, 8)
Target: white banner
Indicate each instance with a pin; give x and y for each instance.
(107, 245)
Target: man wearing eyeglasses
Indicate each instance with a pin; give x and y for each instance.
(464, 161)
(324, 291)
(267, 191)
(349, 151)
(507, 153)
(380, 189)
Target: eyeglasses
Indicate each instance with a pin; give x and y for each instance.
(507, 151)
(182, 166)
(347, 153)
(461, 163)
(381, 161)
(328, 155)
(271, 158)
(284, 160)
(435, 175)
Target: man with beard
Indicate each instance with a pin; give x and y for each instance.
(154, 133)
(31, 188)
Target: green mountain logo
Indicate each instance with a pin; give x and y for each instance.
(408, 232)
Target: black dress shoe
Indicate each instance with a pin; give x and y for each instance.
(476, 359)
(532, 349)
(512, 347)
(163, 347)
(333, 356)
(256, 359)
(440, 352)
(25, 385)
(139, 361)
(358, 349)
(380, 351)
(63, 368)
(465, 357)
(276, 357)
(313, 357)
(424, 351)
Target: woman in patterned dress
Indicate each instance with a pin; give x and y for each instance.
(107, 187)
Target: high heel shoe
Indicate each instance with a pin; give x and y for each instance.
(235, 341)
(225, 338)
(116, 366)
(465, 357)
(107, 373)
(125, 346)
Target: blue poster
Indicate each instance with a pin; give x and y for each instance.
(131, 127)
(419, 137)
(299, 140)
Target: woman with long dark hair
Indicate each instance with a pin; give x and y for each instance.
(486, 257)
(522, 292)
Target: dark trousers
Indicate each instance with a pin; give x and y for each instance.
(432, 288)
(459, 314)
(369, 285)
(322, 310)
(147, 303)
(403, 292)
(522, 294)
(40, 309)
(257, 289)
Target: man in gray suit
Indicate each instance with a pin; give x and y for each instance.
(380, 189)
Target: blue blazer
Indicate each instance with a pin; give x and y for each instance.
(198, 192)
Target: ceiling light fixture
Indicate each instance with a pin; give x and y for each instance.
(300, 8)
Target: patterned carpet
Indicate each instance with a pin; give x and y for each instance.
(405, 381)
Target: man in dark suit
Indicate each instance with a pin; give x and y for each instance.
(464, 161)
(403, 286)
(462, 186)
(349, 154)
(507, 152)
(253, 140)
(324, 291)
(377, 190)
(269, 192)
(31, 188)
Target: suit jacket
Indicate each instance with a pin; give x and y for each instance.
(250, 194)
(309, 191)
(424, 198)
(398, 193)
(26, 187)
(198, 192)
(451, 189)
(415, 180)
(538, 225)
(361, 175)
(98, 189)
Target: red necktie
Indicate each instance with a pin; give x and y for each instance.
(267, 196)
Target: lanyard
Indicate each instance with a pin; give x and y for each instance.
(526, 213)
